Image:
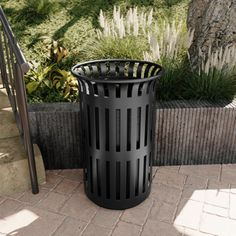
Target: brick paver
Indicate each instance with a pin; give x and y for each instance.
(162, 211)
(52, 180)
(70, 227)
(165, 193)
(8, 207)
(53, 201)
(213, 224)
(207, 171)
(138, 215)
(154, 227)
(97, 230)
(33, 199)
(217, 198)
(196, 182)
(233, 188)
(218, 185)
(228, 174)
(128, 229)
(191, 232)
(106, 217)
(184, 201)
(79, 206)
(1, 199)
(74, 174)
(232, 210)
(192, 193)
(189, 214)
(215, 210)
(174, 179)
(39, 222)
(66, 186)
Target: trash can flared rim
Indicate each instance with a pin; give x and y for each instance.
(116, 81)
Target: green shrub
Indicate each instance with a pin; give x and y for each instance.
(123, 36)
(135, 35)
(129, 48)
(50, 84)
(213, 86)
(170, 3)
(55, 50)
(168, 47)
(40, 8)
(170, 85)
(216, 76)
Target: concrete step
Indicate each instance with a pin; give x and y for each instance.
(14, 171)
(8, 126)
(4, 102)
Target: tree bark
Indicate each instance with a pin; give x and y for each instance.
(214, 22)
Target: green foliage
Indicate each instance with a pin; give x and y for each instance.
(216, 85)
(74, 25)
(170, 85)
(50, 84)
(129, 48)
(170, 3)
(40, 8)
(180, 82)
(55, 50)
(47, 82)
(74, 22)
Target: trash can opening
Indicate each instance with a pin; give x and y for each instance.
(112, 71)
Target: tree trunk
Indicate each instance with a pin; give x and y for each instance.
(214, 22)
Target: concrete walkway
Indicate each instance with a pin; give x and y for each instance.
(185, 200)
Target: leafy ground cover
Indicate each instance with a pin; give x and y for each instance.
(73, 21)
(60, 33)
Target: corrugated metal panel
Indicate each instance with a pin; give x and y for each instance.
(195, 132)
(187, 132)
(55, 128)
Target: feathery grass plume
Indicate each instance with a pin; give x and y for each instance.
(216, 77)
(123, 36)
(168, 45)
(133, 23)
(222, 60)
(107, 47)
(168, 41)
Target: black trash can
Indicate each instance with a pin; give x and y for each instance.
(117, 99)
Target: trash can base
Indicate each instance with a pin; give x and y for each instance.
(119, 204)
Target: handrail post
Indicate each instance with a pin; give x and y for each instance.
(26, 130)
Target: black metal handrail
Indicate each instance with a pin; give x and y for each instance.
(13, 67)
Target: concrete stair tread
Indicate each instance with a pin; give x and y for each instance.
(4, 102)
(14, 174)
(12, 149)
(8, 126)
(3, 91)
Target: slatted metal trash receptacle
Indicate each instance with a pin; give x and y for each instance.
(117, 100)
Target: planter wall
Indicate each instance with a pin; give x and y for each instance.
(55, 129)
(188, 132)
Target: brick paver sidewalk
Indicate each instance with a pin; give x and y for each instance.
(186, 200)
